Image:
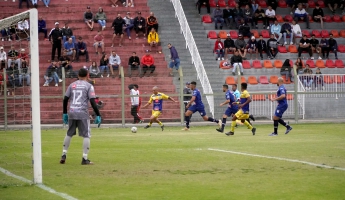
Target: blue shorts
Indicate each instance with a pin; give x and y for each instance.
(200, 109)
(229, 111)
(175, 64)
(280, 110)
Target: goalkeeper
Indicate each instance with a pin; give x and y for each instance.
(79, 93)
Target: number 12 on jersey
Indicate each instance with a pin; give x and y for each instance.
(76, 96)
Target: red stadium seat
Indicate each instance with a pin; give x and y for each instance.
(316, 33)
(330, 64)
(335, 33)
(342, 33)
(246, 64)
(252, 80)
(212, 35)
(286, 81)
(258, 97)
(257, 64)
(279, 18)
(268, 64)
(289, 96)
(343, 18)
(282, 4)
(321, 3)
(222, 34)
(212, 3)
(306, 32)
(265, 34)
(282, 49)
(324, 33)
(278, 64)
(292, 49)
(230, 80)
(207, 19)
(232, 3)
(310, 18)
(320, 64)
(341, 48)
(233, 34)
(274, 79)
(336, 18)
(243, 79)
(339, 64)
(328, 79)
(262, 3)
(291, 63)
(310, 63)
(289, 18)
(221, 3)
(327, 18)
(255, 33)
(263, 80)
(338, 79)
(311, 3)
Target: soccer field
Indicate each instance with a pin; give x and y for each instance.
(173, 164)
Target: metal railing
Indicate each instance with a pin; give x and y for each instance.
(196, 59)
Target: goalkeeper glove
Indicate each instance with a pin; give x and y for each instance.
(65, 118)
(98, 120)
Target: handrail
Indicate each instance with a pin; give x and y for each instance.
(196, 59)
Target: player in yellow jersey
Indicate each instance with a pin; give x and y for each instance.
(157, 100)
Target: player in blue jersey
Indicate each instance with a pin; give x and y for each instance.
(232, 108)
(281, 108)
(196, 105)
(243, 112)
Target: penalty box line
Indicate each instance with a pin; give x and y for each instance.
(278, 158)
(42, 186)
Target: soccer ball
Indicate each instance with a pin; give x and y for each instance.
(134, 129)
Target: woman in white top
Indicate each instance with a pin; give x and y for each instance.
(296, 30)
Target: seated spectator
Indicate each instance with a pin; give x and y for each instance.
(69, 48)
(101, 18)
(236, 61)
(240, 45)
(46, 3)
(333, 46)
(129, 4)
(307, 77)
(24, 73)
(244, 29)
(5, 33)
(218, 17)
(65, 62)
(67, 33)
(153, 38)
(303, 2)
(117, 25)
(103, 65)
(227, 15)
(243, 3)
(23, 29)
(204, 3)
(20, 4)
(276, 31)
(286, 70)
(252, 47)
(296, 31)
(292, 5)
(2, 80)
(52, 74)
(23, 59)
(219, 49)
(301, 14)
(254, 5)
(259, 14)
(248, 15)
(88, 18)
(148, 62)
(299, 64)
(34, 3)
(272, 47)
(114, 3)
(304, 45)
(286, 30)
(273, 4)
(270, 16)
(238, 14)
(315, 46)
(175, 60)
(81, 49)
(94, 70)
(152, 22)
(128, 24)
(12, 56)
(318, 79)
(3, 58)
(229, 44)
(133, 64)
(324, 47)
(114, 63)
(98, 42)
(342, 6)
(332, 5)
(262, 47)
(139, 25)
(42, 28)
(13, 75)
(318, 15)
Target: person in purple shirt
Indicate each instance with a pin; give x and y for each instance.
(81, 49)
(42, 28)
(175, 60)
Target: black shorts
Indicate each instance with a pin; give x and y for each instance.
(118, 32)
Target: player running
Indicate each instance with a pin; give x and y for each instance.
(157, 99)
(243, 112)
(80, 93)
(281, 108)
(197, 105)
(237, 95)
(232, 108)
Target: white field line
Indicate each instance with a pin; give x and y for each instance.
(277, 158)
(42, 186)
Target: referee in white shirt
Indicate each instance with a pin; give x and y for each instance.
(135, 103)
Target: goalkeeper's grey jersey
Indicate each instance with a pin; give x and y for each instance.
(79, 92)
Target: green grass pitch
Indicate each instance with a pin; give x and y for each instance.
(174, 164)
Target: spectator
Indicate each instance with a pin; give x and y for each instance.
(204, 3)
(301, 14)
(13, 75)
(291, 4)
(128, 24)
(114, 63)
(101, 18)
(318, 15)
(307, 77)
(304, 45)
(99, 42)
(229, 44)
(23, 59)
(342, 6)
(286, 30)
(227, 14)
(303, 2)
(318, 79)
(315, 46)
(153, 38)
(3, 58)
(333, 46)
(55, 37)
(88, 18)
(139, 25)
(259, 14)
(152, 22)
(42, 28)
(114, 2)
(324, 47)
(6, 33)
(81, 49)
(70, 49)
(103, 65)
(46, 3)
(34, 3)
(236, 61)
(51, 74)
(23, 29)
(299, 63)
(218, 17)
(148, 62)
(252, 47)
(175, 60)
(286, 70)
(65, 62)
(243, 3)
(129, 4)
(270, 16)
(67, 33)
(273, 4)
(332, 5)
(254, 5)
(117, 25)
(262, 47)
(12, 56)
(24, 73)
(219, 49)
(244, 29)
(272, 47)
(276, 31)
(248, 15)
(240, 45)
(20, 3)
(94, 70)
(296, 31)
(133, 64)
(238, 14)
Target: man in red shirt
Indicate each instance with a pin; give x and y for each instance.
(148, 62)
(219, 48)
(98, 42)
(23, 59)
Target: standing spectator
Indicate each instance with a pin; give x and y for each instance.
(248, 15)
(296, 31)
(153, 38)
(20, 4)
(238, 14)
(270, 16)
(51, 74)
(286, 70)
(307, 77)
(304, 45)
(236, 61)
(301, 14)
(244, 29)
(70, 49)
(218, 17)
(254, 5)
(65, 62)
(324, 47)
(114, 63)
(240, 45)
(315, 46)
(175, 60)
(148, 62)
(259, 14)
(42, 28)
(133, 64)
(332, 5)
(262, 47)
(139, 25)
(88, 18)
(318, 15)
(98, 42)
(12, 56)
(186, 99)
(333, 46)
(229, 44)
(46, 3)
(276, 31)
(204, 3)
(117, 25)
(227, 14)
(67, 33)
(152, 22)
(23, 59)
(81, 49)
(286, 30)
(103, 65)
(252, 47)
(3, 58)
(101, 18)
(273, 4)
(272, 47)
(219, 48)
(318, 79)
(24, 73)
(55, 37)
(94, 70)
(135, 104)
(128, 24)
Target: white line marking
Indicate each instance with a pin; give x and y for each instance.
(42, 186)
(277, 158)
